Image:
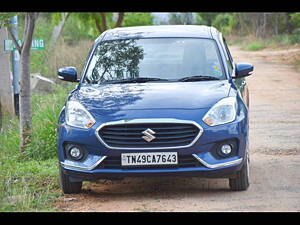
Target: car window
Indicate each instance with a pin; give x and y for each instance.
(229, 59)
(165, 58)
(227, 50)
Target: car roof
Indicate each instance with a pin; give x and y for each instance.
(196, 31)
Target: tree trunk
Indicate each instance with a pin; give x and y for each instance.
(57, 30)
(289, 27)
(0, 117)
(120, 19)
(102, 25)
(25, 101)
(276, 23)
(98, 25)
(103, 21)
(264, 25)
(25, 98)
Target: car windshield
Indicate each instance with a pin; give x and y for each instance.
(154, 60)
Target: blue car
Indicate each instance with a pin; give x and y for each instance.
(156, 101)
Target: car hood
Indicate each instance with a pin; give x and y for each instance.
(161, 95)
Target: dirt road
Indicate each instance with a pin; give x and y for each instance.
(275, 158)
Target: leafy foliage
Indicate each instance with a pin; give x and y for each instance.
(224, 22)
(137, 19)
(98, 22)
(206, 18)
(4, 18)
(295, 19)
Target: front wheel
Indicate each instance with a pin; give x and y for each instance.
(242, 180)
(68, 187)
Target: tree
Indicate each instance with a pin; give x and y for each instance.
(294, 19)
(206, 18)
(99, 22)
(59, 19)
(137, 19)
(24, 51)
(225, 22)
(178, 18)
(92, 24)
(103, 24)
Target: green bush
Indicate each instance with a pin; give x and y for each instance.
(224, 22)
(286, 39)
(295, 19)
(254, 46)
(44, 122)
(295, 37)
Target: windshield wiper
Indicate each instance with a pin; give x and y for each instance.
(135, 80)
(197, 78)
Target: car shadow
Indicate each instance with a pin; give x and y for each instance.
(160, 187)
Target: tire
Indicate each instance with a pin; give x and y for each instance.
(68, 187)
(242, 180)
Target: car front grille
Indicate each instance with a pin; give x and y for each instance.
(166, 135)
(184, 161)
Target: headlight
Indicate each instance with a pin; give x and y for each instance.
(78, 116)
(224, 111)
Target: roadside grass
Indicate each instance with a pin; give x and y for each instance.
(29, 180)
(297, 63)
(293, 58)
(68, 54)
(252, 43)
(254, 46)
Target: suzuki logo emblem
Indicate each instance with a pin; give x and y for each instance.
(148, 135)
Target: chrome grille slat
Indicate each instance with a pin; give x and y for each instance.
(140, 129)
(142, 142)
(124, 137)
(139, 133)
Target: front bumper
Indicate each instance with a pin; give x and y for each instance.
(205, 159)
(224, 169)
(201, 150)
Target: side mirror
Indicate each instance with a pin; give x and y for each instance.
(68, 74)
(243, 70)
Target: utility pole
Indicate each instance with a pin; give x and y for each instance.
(15, 58)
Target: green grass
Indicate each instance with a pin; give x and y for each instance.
(251, 43)
(296, 64)
(29, 180)
(254, 46)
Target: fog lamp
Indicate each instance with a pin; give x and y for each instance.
(75, 152)
(226, 149)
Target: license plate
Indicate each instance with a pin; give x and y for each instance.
(149, 158)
